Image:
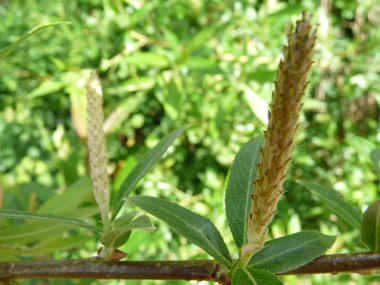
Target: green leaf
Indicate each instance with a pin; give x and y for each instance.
(55, 244)
(121, 113)
(240, 188)
(147, 58)
(15, 214)
(199, 39)
(68, 200)
(173, 94)
(204, 65)
(142, 167)
(5, 256)
(339, 206)
(4, 52)
(119, 236)
(194, 227)
(287, 11)
(45, 88)
(250, 276)
(132, 85)
(258, 106)
(36, 230)
(291, 251)
(173, 41)
(370, 229)
(262, 76)
(375, 158)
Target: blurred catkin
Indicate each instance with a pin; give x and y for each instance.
(97, 147)
(275, 156)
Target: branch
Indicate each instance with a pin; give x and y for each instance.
(361, 263)
(93, 268)
(201, 270)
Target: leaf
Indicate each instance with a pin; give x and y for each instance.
(121, 113)
(287, 11)
(5, 256)
(240, 188)
(45, 88)
(147, 58)
(4, 52)
(142, 167)
(49, 246)
(68, 200)
(36, 230)
(194, 227)
(199, 39)
(173, 41)
(16, 214)
(362, 146)
(291, 251)
(375, 158)
(204, 65)
(132, 85)
(339, 206)
(252, 276)
(258, 106)
(370, 229)
(173, 94)
(262, 76)
(119, 236)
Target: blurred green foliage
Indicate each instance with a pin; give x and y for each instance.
(165, 64)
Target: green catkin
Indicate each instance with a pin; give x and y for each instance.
(97, 147)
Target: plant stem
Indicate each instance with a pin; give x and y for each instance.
(361, 263)
(94, 268)
(201, 270)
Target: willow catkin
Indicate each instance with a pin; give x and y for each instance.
(275, 156)
(97, 147)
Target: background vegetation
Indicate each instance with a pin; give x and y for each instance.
(165, 64)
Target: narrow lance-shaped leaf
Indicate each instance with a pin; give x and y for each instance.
(370, 229)
(291, 251)
(39, 229)
(194, 227)
(4, 52)
(250, 276)
(142, 167)
(339, 206)
(240, 188)
(15, 214)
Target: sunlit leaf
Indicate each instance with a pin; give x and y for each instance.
(45, 88)
(121, 113)
(258, 106)
(147, 58)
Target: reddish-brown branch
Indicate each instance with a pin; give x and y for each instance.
(202, 270)
(340, 263)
